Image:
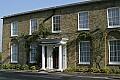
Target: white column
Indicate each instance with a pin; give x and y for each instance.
(60, 58)
(49, 57)
(43, 57)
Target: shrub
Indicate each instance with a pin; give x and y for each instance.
(116, 71)
(70, 69)
(0, 66)
(6, 66)
(12, 66)
(106, 70)
(82, 69)
(33, 68)
(24, 67)
(95, 70)
(18, 67)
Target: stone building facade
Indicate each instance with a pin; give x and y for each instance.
(84, 34)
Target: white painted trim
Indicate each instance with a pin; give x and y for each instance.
(53, 25)
(108, 17)
(112, 63)
(60, 58)
(11, 55)
(79, 54)
(30, 28)
(43, 57)
(79, 29)
(64, 51)
(12, 28)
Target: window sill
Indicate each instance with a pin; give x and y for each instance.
(56, 31)
(14, 62)
(14, 35)
(32, 62)
(84, 63)
(81, 29)
(114, 63)
(112, 27)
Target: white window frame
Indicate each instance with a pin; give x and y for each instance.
(12, 53)
(112, 63)
(30, 29)
(88, 63)
(53, 25)
(12, 28)
(79, 20)
(30, 54)
(108, 17)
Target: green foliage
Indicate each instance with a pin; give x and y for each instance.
(116, 71)
(84, 36)
(0, 56)
(33, 68)
(95, 70)
(24, 67)
(82, 70)
(106, 70)
(18, 67)
(12, 66)
(6, 66)
(70, 69)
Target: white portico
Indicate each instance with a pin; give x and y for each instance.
(54, 54)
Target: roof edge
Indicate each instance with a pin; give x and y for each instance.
(50, 8)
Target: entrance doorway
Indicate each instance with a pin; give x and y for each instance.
(55, 54)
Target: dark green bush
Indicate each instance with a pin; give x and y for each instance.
(24, 67)
(106, 70)
(18, 67)
(95, 70)
(33, 68)
(6, 66)
(12, 66)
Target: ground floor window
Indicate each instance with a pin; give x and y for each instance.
(114, 52)
(33, 52)
(14, 53)
(84, 52)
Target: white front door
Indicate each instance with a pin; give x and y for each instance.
(62, 57)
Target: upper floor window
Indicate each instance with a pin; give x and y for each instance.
(113, 17)
(14, 28)
(14, 53)
(114, 52)
(83, 21)
(33, 53)
(84, 52)
(56, 21)
(33, 25)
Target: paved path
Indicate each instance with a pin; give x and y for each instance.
(47, 76)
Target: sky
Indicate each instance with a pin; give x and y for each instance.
(8, 7)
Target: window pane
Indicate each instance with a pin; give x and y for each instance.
(15, 28)
(33, 53)
(14, 53)
(33, 25)
(114, 16)
(83, 20)
(114, 50)
(56, 23)
(84, 51)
